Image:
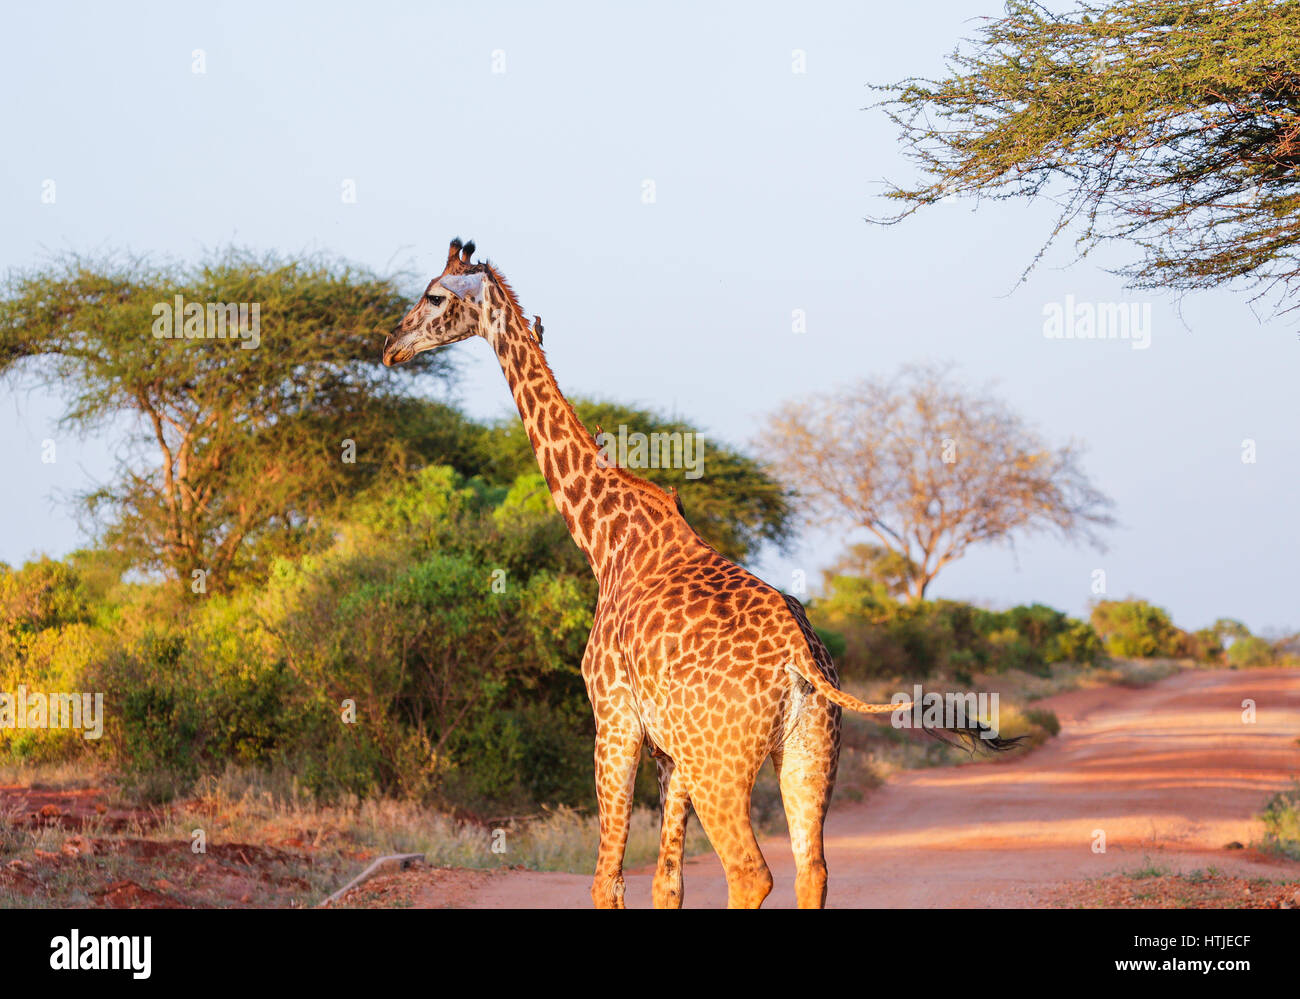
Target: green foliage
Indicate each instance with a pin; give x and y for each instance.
(1077, 643)
(1167, 123)
(528, 499)
(1227, 629)
(450, 615)
(409, 622)
(1135, 628)
(734, 504)
(1282, 822)
(445, 604)
(882, 635)
(529, 753)
(464, 691)
(1250, 652)
(238, 453)
(438, 619)
(894, 570)
(834, 642)
(1044, 718)
(1203, 645)
(47, 633)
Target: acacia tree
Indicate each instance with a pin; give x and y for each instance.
(240, 441)
(929, 469)
(1171, 124)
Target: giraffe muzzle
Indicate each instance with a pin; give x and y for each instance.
(397, 349)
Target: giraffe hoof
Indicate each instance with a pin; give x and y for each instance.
(607, 894)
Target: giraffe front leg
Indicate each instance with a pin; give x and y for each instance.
(618, 751)
(676, 804)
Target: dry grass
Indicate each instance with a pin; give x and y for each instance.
(560, 839)
(72, 775)
(315, 847)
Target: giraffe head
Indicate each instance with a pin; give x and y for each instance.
(454, 307)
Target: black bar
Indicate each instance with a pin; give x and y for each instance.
(999, 952)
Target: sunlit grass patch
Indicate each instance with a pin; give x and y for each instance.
(1281, 817)
(1148, 869)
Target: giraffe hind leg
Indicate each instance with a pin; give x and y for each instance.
(806, 767)
(724, 812)
(676, 804)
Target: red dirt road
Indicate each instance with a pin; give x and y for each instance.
(1170, 773)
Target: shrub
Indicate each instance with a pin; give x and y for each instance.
(1251, 652)
(1045, 719)
(1077, 643)
(1282, 822)
(835, 643)
(458, 686)
(1008, 649)
(1135, 628)
(882, 636)
(1203, 645)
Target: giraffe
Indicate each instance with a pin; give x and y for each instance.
(690, 655)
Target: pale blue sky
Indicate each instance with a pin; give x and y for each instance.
(763, 178)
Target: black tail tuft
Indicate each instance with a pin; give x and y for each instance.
(973, 737)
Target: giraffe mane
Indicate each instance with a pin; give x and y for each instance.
(643, 485)
(660, 494)
(504, 285)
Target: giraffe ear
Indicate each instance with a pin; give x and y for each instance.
(468, 286)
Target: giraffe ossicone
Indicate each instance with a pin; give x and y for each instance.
(690, 654)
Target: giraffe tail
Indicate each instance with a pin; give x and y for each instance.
(974, 733)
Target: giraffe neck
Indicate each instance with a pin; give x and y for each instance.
(595, 501)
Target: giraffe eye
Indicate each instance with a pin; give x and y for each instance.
(436, 299)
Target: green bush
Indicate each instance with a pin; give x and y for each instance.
(432, 651)
(1250, 652)
(1044, 718)
(835, 643)
(1077, 643)
(453, 634)
(1282, 822)
(1009, 649)
(160, 731)
(48, 636)
(1134, 628)
(883, 636)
